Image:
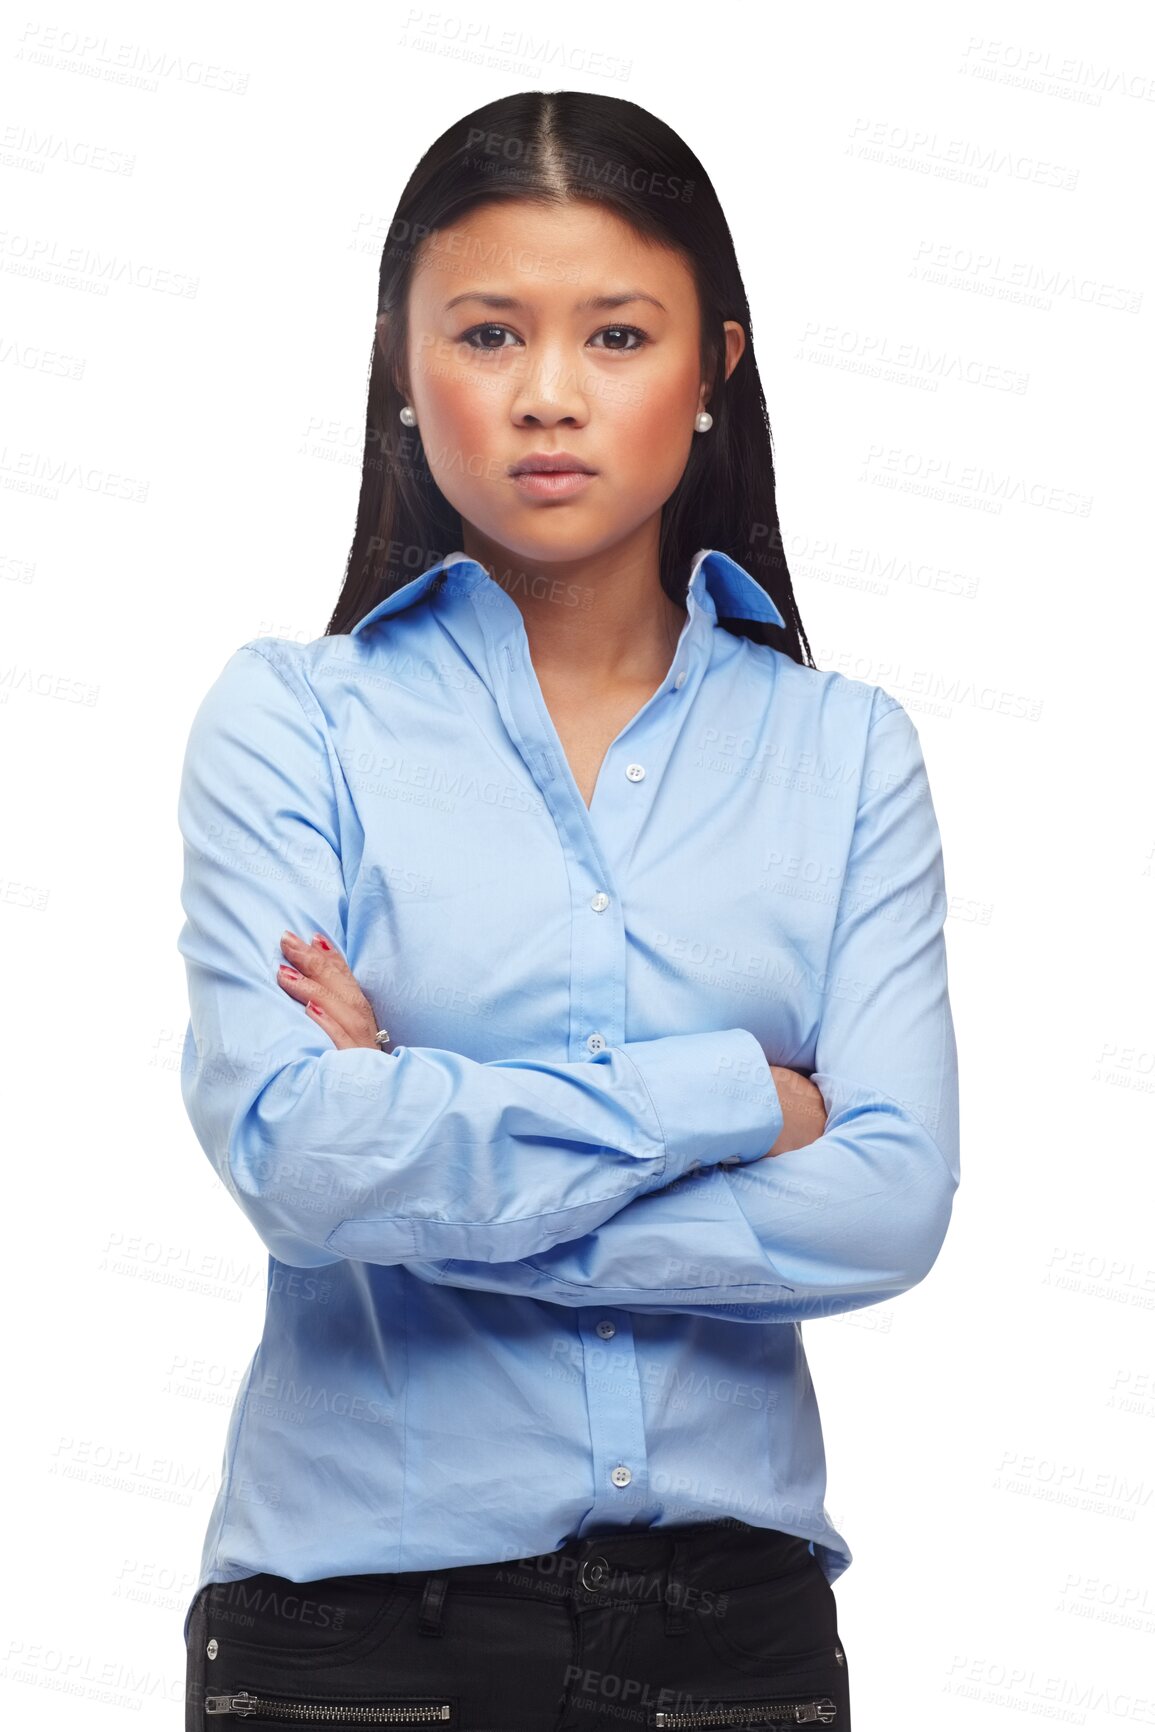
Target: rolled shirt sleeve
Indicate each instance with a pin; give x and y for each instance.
(419, 1153)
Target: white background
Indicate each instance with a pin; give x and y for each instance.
(929, 205)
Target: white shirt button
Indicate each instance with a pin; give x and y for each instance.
(680, 678)
(606, 1329)
(595, 1042)
(599, 902)
(635, 772)
(621, 1476)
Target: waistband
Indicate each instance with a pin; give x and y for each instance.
(631, 1564)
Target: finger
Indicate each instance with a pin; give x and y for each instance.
(326, 978)
(336, 1012)
(328, 971)
(320, 958)
(338, 1035)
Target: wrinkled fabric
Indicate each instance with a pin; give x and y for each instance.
(529, 1275)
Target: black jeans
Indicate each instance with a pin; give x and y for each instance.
(711, 1625)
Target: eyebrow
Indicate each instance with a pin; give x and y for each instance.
(593, 303)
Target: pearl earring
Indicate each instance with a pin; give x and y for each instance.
(408, 416)
(703, 422)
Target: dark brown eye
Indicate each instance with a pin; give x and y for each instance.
(623, 331)
(468, 337)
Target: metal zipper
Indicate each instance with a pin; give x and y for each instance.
(356, 1713)
(773, 1713)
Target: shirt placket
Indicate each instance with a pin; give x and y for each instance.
(597, 843)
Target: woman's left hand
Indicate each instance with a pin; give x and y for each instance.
(320, 979)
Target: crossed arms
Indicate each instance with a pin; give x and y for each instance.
(587, 1183)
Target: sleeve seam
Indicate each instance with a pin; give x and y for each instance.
(316, 722)
(893, 704)
(253, 649)
(857, 815)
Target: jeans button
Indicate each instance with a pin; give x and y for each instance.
(593, 1573)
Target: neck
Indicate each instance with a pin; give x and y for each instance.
(591, 623)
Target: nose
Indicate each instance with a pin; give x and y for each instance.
(551, 390)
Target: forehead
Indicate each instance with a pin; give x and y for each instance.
(546, 255)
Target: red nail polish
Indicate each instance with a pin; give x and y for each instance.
(315, 1007)
(323, 942)
(289, 973)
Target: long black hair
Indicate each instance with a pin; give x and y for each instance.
(552, 147)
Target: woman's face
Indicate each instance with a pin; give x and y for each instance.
(540, 330)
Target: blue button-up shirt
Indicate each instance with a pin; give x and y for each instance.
(529, 1275)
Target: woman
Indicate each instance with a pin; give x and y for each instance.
(643, 898)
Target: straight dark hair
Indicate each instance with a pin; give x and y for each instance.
(551, 147)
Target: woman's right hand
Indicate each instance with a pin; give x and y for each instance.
(803, 1110)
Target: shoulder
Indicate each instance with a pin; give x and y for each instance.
(824, 699)
(263, 696)
(834, 734)
(268, 665)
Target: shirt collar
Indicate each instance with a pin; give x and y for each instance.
(718, 585)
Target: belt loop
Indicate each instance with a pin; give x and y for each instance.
(676, 1619)
(432, 1604)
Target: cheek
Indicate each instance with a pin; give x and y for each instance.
(459, 413)
(651, 433)
(459, 424)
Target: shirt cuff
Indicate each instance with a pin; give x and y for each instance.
(713, 1095)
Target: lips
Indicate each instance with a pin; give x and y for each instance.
(551, 463)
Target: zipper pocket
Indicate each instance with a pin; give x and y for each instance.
(774, 1712)
(414, 1712)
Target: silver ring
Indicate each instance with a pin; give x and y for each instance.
(381, 1037)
